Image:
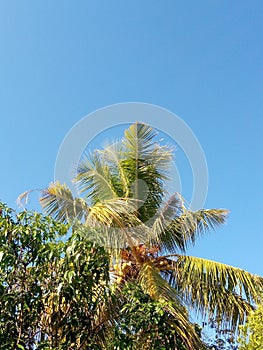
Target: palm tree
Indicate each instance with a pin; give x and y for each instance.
(124, 197)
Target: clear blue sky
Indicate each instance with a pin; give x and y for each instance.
(203, 60)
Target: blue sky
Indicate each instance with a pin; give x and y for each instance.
(202, 60)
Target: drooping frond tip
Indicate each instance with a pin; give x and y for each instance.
(58, 201)
(175, 227)
(217, 289)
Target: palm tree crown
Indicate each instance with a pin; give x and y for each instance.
(124, 197)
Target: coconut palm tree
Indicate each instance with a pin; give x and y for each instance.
(123, 195)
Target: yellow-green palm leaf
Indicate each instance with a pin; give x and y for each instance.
(215, 289)
(175, 227)
(58, 201)
(159, 289)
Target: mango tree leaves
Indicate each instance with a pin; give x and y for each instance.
(53, 291)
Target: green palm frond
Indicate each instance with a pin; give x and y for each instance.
(58, 201)
(94, 179)
(138, 139)
(140, 144)
(117, 212)
(185, 228)
(215, 288)
(153, 284)
(114, 157)
(116, 223)
(145, 165)
(166, 215)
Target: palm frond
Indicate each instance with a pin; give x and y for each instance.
(154, 285)
(116, 223)
(118, 212)
(58, 201)
(143, 155)
(138, 139)
(114, 157)
(140, 144)
(146, 166)
(169, 211)
(185, 228)
(216, 289)
(94, 179)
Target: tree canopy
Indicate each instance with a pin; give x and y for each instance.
(52, 291)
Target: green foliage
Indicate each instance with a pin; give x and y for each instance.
(144, 323)
(52, 292)
(251, 337)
